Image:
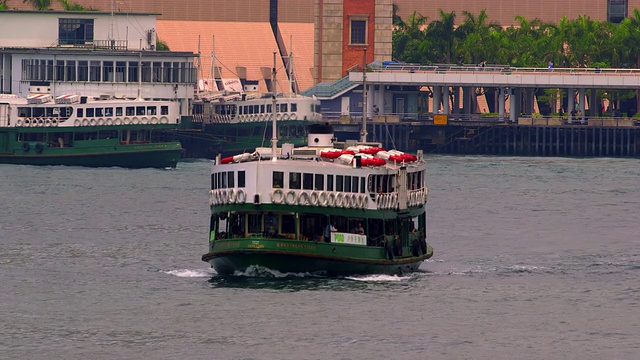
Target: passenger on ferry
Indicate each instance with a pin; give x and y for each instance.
(327, 232)
(359, 229)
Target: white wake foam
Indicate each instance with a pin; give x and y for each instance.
(191, 273)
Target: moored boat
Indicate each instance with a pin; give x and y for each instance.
(84, 131)
(325, 208)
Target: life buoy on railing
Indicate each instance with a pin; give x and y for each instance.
(39, 148)
(303, 198)
(278, 116)
(154, 120)
(212, 197)
(293, 116)
(144, 120)
(346, 202)
(54, 122)
(363, 201)
(101, 121)
(40, 122)
(117, 121)
(126, 121)
(26, 146)
(76, 123)
(135, 120)
(285, 117)
(291, 197)
(19, 122)
(109, 121)
(231, 196)
(164, 120)
(93, 122)
(277, 196)
(339, 199)
(47, 122)
(393, 201)
(241, 196)
(313, 198)
(355, 201)
(323, 198)
(331, 199)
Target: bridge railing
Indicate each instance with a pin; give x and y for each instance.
(492, 68)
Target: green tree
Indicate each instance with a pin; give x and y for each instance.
(443, 36)
(161, 45)
(3, 5)
(409, 39)
(38, 4)
(69, 6)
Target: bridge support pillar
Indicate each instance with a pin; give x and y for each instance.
(437, 91)
(445, 101)
(582, 92)
(501, 105)
(571, 95)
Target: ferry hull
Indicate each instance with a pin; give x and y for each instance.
(310, 257)
(164, 158)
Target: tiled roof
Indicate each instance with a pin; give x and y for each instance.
(241, 45)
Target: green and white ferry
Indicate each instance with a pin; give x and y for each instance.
(85, 131)
(326, 208)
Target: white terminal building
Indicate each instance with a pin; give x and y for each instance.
(91, 53)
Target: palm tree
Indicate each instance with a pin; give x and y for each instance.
(38, 4)
(69, 6)
(444, 35)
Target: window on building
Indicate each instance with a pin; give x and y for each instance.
(358, 31)
(617, 10)
(75, 31)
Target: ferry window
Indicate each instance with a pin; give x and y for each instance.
(231, 179)
(79, 112)
(89, 135)
(339, 182)
(24, 112)
(254, 222)
(362, 185)
(130, 111)
(294, 180)
(329, 182)
(261, 108)
(108, 111)
(38, 112)
(347, 183)
(288, 224)
(354, 184)
(108, 134)
(99, 111)
(152, 110)
(139, 110)
(164, 110)
(307, 181)
(278, 179)
(294, 107)
(319, 182)
(284, 107)
(220, 180)
(213, 181)
(90, 112)
(241, 179)
(256, 109)
(269, 110)
(224, 180)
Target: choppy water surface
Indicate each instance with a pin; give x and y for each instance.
(535, 258)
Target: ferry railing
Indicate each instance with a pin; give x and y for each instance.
(495, 68)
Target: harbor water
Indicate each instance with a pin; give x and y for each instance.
(535, 258)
